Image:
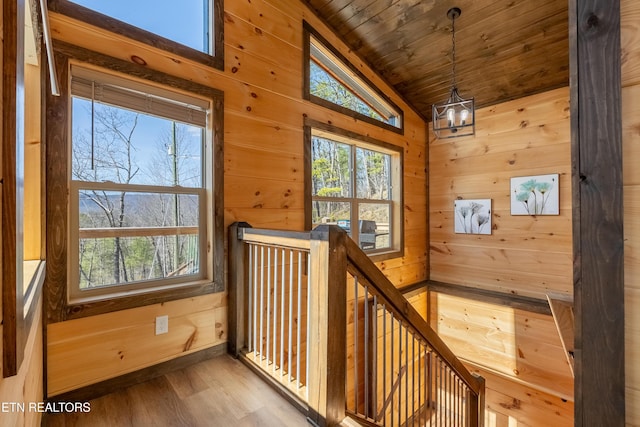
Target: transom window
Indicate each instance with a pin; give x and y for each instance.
(190, 28)
(186, 21)
(138, 191)
(331, 81)
(356, 184)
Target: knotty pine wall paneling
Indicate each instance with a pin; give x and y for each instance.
(630, 44)
(84, 351)
(27, 386)
(263, 177)
(512, 404)
(524, 255)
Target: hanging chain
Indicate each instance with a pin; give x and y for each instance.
(453, 42)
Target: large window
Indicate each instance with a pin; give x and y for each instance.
(355, 183)
(190, 28)
(138, 187)
(331, 81)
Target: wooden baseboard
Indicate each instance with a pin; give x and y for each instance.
(96, 390)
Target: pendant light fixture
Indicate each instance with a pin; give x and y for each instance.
(456, 116)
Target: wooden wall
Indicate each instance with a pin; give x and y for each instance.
(630, 23)
(88, 350)
(263, 164)
(524, 255)
(514, 405)
(26, 387)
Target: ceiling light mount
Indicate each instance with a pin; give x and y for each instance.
(454, 13)
(456, 116)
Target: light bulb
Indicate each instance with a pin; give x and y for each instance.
(451, 116)
(463, 116)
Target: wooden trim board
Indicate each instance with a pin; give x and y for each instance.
(598, 240)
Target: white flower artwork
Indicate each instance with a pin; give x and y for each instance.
(535, 195)
(472, 216)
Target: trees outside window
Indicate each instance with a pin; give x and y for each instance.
(138, 194)
(356, 185)
(331, 81)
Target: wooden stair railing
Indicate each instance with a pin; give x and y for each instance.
(314, 316)
(435, 378)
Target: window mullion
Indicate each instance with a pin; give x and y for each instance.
(355, 214)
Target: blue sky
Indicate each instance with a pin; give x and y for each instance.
(179, 20)
(150, 139)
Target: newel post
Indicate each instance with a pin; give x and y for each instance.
(327, 341)
(476, 404)
(236, 287)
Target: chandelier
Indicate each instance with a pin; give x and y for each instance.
(456, 116)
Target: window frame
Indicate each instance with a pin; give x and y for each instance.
(58, 120)
(349, 68)
(105, 77)
(396, 202)
(106, 22)
(109, 291)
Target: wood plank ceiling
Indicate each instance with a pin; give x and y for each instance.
(505, 49)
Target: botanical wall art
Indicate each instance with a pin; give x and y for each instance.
(472, 216)
(535, 195)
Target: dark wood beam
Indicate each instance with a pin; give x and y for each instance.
(594, 36)
(12, 182)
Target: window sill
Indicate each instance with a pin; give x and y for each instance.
(116, 301)
(33, 276)
(384, 256)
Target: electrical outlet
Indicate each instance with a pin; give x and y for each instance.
(162, 325)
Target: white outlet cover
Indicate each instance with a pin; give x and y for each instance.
(162, 325)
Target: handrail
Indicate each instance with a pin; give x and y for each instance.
(289, 239)
(288, 298)
(360, 264)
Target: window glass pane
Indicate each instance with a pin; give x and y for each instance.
(330, 168)
(133, 148)
(338, 213)
(372, 175)
(323, 85)
(374, 220)
(116, 209)
(123, 260)
(331, 79)
(185, 21)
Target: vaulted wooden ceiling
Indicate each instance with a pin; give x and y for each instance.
(505, 49)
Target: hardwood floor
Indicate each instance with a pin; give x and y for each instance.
(217, 392)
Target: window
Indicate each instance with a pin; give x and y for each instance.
(21, 208)
(138, 186)
(190, 28)
(355, 183)
(334, 83)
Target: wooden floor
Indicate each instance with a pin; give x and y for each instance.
(217, 392)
